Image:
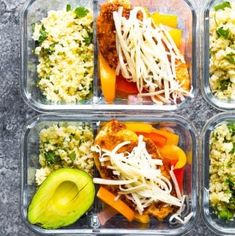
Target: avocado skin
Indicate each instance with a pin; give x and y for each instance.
(43, 210)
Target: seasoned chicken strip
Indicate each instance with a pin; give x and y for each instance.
(106, 33)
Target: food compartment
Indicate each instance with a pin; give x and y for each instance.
(217, 174)
(217, 57)
(58, 54)
(150, 58)
(90, 222)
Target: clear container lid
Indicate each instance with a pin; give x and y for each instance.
(35, 10)
(210, 218)
(89, 223)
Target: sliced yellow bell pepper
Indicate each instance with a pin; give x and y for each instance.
(176, 35)
(165, 19)
(139, 127)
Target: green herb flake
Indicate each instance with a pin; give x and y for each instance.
(43, 35)
(231, 127)
(51, 158)
(68, 7)
(224, 84)
(33, 26)
(230, 57)
(222, 6)
(230, 183)
(221, 32)
(233, 150)
(47, 51)
(81, 12)
(72, 156)
(225, 214)
(231, 205)
(89, 39)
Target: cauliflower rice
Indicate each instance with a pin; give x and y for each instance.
(222, 51)
(64, 145)
(222, 170)
(65, 50)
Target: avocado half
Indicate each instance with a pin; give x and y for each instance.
(62, 199)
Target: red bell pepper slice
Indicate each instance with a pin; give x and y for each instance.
(179, 175)
(123, 86)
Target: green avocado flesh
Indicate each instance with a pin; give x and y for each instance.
(62, 199)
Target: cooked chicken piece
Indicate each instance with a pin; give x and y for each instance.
(109, 136)
(160, 210)
(114, 133)
(106, 33)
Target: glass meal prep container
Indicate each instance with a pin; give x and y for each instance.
(35, 10)
(211, 219)
(89, 223)
(218, 103)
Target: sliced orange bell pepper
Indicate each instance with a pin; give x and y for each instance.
(158, 139)
(147, 128)
(108, 80)
(174, 153)
(109, 198)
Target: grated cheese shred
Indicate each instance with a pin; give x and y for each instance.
(138, 175)
(147, 56)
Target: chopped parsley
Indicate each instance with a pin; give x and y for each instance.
(72, 156)
(224, 84)
(68, 7)
(221, 32)
(230, 183)
(33, 26)
(225, 214)
(231, 127)
(48, 51)
(89, 39)
(81, 12)
(233, 150)
(43, 35)
(51, 158)
(222, 6)
(230, 57)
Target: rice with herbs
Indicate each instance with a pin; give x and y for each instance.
(65, 145)
(65, 51)
(222, 170)
(222, 51)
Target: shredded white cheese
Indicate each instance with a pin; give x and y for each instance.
(176, 185)
(178, 216)
(147, 56)
(138, 175)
